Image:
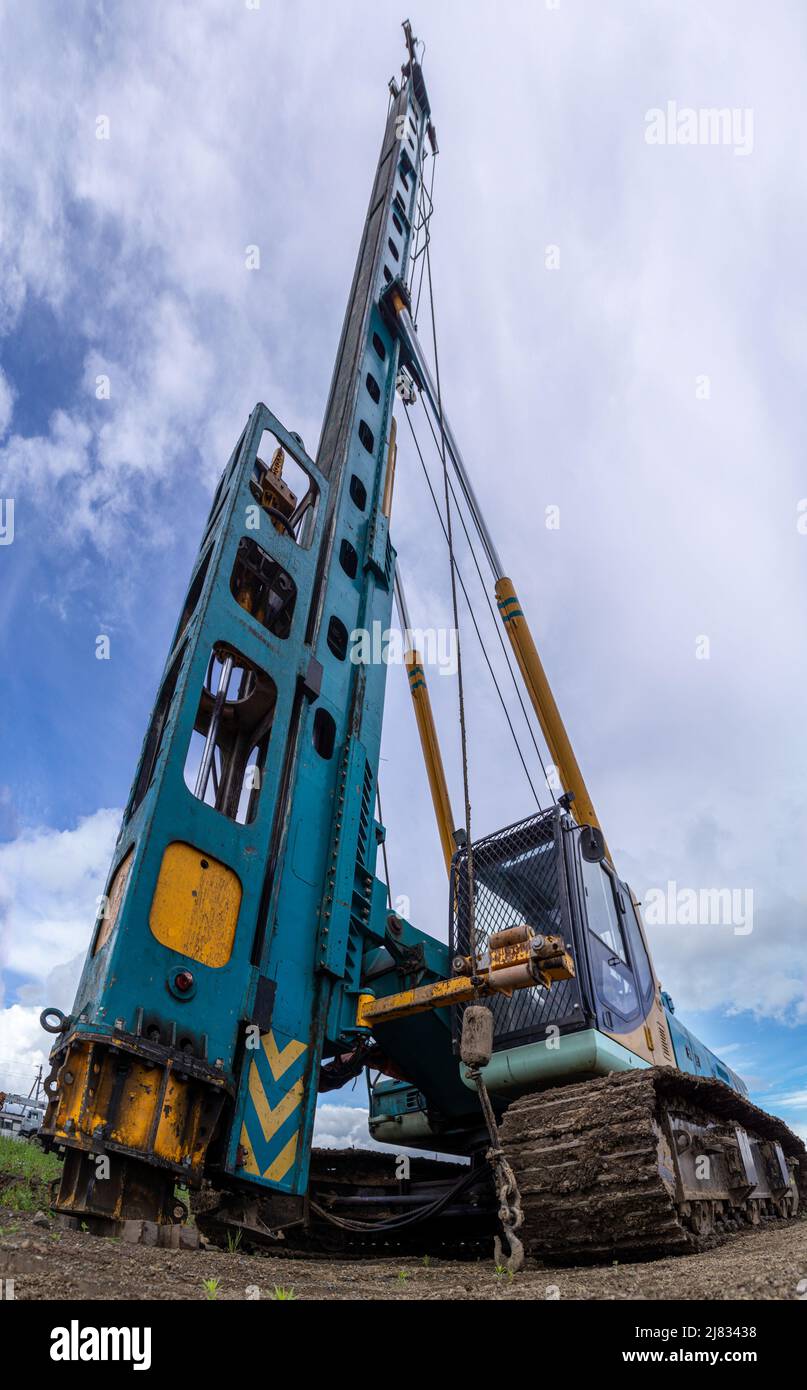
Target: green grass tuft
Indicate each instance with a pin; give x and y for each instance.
(26, 1173)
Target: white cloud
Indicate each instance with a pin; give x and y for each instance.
(574, 388)
(345, 1127)
(6, 403)
(762, 974)
(342, 1127)
(40, 462)
(146, 266)
(50, 881)
(796, 1101)
(23, 1048)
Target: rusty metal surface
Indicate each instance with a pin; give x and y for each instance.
(128, 1096)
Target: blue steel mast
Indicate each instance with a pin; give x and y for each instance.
(226, 960)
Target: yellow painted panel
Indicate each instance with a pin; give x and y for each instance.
(277, 1171)
(178, 1117)
(71, 1093)
(279, 1062)
(137, 1105)
(270, 1120)
(195, 905)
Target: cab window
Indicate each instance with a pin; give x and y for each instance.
(603, 920)
(610, 968)
(641, 961)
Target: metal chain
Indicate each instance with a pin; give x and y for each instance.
(511, 1212)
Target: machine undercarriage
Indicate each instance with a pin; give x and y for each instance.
(610, 1168)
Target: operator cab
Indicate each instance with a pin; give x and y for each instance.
(549, 873)
(539, 872)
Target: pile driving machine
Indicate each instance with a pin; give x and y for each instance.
(246, 958)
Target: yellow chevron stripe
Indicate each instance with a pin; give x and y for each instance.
(249, 1165)
(279, 1062)
(270, 1119)
(278, 1170)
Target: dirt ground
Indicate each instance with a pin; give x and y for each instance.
(47, 1262)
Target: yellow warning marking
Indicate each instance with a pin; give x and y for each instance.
(271, 1120)
(279, 1062)
(278, 1170)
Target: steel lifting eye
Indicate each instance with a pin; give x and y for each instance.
(47, 1017)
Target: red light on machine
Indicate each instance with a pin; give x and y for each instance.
(183, 981)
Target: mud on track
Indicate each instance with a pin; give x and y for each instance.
(50, 1263)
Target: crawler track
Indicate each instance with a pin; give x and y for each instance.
(598, 1177)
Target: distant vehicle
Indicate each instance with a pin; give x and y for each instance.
(20, 1117)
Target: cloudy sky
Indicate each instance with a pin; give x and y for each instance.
(645, 377)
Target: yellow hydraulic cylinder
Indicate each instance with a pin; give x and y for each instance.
(543, 701)
(431, 754)
(534, 960)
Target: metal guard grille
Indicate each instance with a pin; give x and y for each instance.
(516, 879)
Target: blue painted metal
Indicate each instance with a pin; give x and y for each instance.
(311, 903)
(692, 1055)
(327, 905)
(124, 984)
